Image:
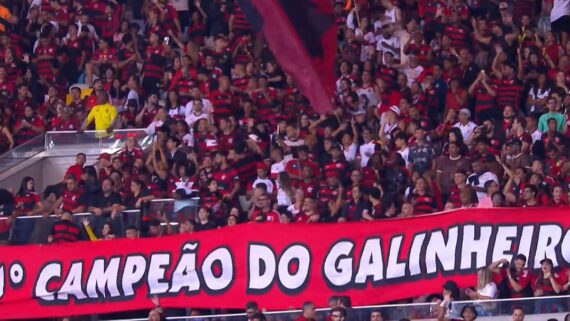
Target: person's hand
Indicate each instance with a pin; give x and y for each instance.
(538, 292)
(508, 19)
(547, 275)
(500, 161)
(341, 220)
(114, 214)
(197, 3)
(498, 49)
(85, 221)
(447, 297)
(439, 12)
(109, 130)
(81, 131)
(154, 298)
(138, 203)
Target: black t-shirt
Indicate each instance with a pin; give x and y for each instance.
(102, 201)
(204, 227)
(132, 201)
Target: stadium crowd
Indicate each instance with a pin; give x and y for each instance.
(439, 105)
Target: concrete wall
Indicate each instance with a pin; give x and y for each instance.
(45, 170)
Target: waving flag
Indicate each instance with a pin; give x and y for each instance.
(302, 36)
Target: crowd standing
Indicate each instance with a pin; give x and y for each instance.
(439, 105)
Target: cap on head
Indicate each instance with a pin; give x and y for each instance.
(465, 111)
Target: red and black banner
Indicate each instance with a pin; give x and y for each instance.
(302, 36)
(278, 266)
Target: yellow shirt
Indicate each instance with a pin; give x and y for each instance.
(104, 115)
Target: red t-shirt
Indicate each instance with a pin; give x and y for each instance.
(270, 216)
(523, 278)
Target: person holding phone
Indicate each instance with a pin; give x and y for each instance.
(517, 277)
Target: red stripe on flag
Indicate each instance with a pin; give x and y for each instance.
(314, 77)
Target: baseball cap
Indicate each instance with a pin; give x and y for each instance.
(465, 111)
(396, 110)
(261, 166)
(547, 260)
(106, 156)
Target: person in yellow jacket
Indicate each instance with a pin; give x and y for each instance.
(103, 114)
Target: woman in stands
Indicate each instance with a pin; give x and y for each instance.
(548, 283)
(140, 196)
(445, 308)
(27, 203)
(422, 198)
(558, 197)
(131, 151)
(6, 139)
(486, 290)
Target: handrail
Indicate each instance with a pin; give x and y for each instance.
(164, 200)
(94, 131)
(55, 216)
(383, 306)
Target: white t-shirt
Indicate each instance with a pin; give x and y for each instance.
(560, 9)
(277, 168)
(366, 150)
(466, 129)
(405, 153)
(192, 118)
(412, 73)
(180, 111)
(490, 290)
(188, 140)
(350, 153)
(536, 136)
(370, 94)
(283, 198)
(483, 178)
(151, 129)
(185, 185)
(207, 107)
(265, 181)
(132, 95)
(392, 41)
(180, 5)
(390, 16)
(368, 46)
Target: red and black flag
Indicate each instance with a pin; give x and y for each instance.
(302, 36)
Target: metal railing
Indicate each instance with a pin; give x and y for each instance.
(535, 308)
(35, 229)
(69, 143)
